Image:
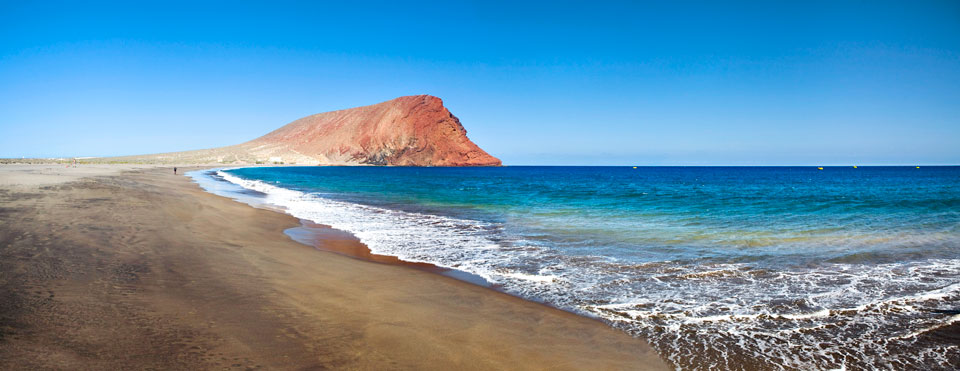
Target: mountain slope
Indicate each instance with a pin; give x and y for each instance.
(407, 131)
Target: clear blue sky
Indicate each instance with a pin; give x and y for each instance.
(657, 83)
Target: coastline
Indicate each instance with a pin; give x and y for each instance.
(144, 269)
(729, 333)
(329, 239)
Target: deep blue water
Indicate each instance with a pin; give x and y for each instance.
(732, 259)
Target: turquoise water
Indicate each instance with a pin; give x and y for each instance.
(753, 266)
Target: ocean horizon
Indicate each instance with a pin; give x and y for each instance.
(753, 267)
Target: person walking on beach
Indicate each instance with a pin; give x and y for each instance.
(174, 170)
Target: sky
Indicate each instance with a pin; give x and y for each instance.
(534, 83)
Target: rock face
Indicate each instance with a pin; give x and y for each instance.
(407, 131)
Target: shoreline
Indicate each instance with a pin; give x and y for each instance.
(326, 238)
(331, 240)
(143, 269)
(728, 331)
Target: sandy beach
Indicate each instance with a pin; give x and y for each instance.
(121, 267)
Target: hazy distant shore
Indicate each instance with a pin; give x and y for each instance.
(145, 160)
(125, 266)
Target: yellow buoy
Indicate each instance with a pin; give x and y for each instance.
(918, 167)
(819, 167)
(634, 167)
(854, 166)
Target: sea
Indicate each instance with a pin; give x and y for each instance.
(717, 267)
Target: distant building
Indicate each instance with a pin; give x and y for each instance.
(276, 159)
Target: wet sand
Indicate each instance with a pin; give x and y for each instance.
(143, 269)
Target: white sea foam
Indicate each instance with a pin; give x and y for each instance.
(818, 317)
(442, 241)
(529, 277)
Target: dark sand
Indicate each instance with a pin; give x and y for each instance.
(145, 270)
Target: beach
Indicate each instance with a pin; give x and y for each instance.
(121, 267)
(755, 267)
